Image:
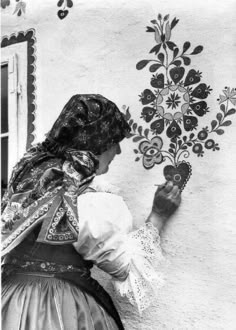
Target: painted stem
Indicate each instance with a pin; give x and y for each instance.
(169, 156)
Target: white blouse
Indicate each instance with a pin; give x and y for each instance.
(106, 239)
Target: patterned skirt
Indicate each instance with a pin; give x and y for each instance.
(42, 302)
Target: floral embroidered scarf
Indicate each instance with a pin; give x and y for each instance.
(46, 182)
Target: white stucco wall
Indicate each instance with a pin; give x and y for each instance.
(95, 50)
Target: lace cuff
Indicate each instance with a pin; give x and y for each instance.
(143, 246)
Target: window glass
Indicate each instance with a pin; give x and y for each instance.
(4, 98)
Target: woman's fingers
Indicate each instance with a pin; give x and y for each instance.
(168, 187)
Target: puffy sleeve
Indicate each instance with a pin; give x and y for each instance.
(107, 239)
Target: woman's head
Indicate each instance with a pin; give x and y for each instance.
(88, 122)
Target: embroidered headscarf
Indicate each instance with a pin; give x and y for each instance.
(46, 182)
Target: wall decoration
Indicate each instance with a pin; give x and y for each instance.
(5, 3)
(174, 106)
(29, 37)
(20, 6)
(65, 6)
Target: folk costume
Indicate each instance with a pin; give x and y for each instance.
(57, 223)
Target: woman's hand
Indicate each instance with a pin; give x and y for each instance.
(167, 199)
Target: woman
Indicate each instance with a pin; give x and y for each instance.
(57, 223)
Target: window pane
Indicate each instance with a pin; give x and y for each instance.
(4, 163)
(4, 98)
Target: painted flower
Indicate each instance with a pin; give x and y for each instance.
(20, 8)
(173, 101)
(197, 149)
(151, 151)
(202, 135)
(210, 144)
(229, 95)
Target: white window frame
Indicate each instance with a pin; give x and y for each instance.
(15, 56)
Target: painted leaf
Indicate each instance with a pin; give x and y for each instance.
(127, 114)
(154, 21)
(17, 7)
(159, 17)
(186, 60)
(157, 35)
(177, 63)
(166, 17)
(150, 29)
(155, 49)
(137, 159)
(146, 131)
(197, 50)
(167, 31)
(191, 136)
(140, 65)
(140, 129)
(220, 131)
(186, 46)
(154, 67)
(135, 151)
(173, 23)
(69, 3)
(161, 57)
(137, 138)
(231, 112)
(219, 117)
(226, 123)
(131, 122)
(135, 126)
(60, 3)
(171, 45)
(176, 50)
(222, 107)
(213, 124)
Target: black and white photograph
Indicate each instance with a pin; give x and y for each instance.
(118, 160)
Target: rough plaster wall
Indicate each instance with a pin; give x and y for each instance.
(95, 50)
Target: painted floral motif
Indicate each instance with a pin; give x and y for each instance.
(229, 95)
(19, 8)
(65, 5)
(151, 151)
(174, 104)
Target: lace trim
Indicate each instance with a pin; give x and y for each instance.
(143, 279)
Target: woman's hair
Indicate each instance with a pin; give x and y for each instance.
(88, 122)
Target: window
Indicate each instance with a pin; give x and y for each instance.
(17, 100)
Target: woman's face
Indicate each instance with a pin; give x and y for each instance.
(106, 158)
